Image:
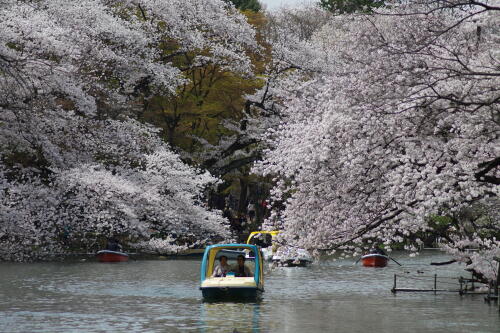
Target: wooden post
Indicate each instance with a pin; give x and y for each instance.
(435, 283)
(488, 298)
(498, 276)
(460, 292)
(394, 287)
(497, 259)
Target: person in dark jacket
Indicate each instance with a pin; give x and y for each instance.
(241, 270)
(377, 250)
(113, 245)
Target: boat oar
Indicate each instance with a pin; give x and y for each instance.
(394, 260)
(357, 260)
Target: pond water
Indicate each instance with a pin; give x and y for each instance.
(163, 296)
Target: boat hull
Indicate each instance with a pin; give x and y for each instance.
(299, 258)
(230, 294)
(292, 262)
(111, 256)
(374, 260)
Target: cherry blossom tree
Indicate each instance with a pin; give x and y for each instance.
(74, 164)
(294, 59)
(404, 125)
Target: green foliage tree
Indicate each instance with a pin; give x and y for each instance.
(205, 120)
(195, 119)
(253, 5)
(350, 6)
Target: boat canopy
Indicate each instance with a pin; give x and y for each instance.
(253, 234)
(212, 252)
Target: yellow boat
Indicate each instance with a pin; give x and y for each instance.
(266, 240)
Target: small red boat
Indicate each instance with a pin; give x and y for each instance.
(374, 260)
(111, 256)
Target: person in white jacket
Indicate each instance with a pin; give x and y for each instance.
(222, 268)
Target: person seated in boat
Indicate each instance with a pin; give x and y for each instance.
(222, 268)
(242, 270)
(113, 245)
(377, 250)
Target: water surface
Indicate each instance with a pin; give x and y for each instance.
(163, 296)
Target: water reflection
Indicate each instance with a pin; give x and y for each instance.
(230, 317)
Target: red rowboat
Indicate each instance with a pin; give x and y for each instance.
(111, 256)
(374, 260)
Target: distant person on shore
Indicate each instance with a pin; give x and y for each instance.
(222, 268)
